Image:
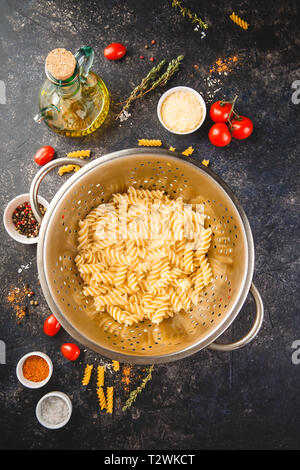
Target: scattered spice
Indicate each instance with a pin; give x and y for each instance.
(17, 297)
(133, 395)
(224, 66)
(186, 12)
(24, 220)
(153, 80)
(35, 369)
(126, 377)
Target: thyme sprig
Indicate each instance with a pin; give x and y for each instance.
(152, 81)
(133, 395)
(186, 12)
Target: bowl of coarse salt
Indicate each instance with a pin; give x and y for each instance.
(54, 410)
(181, 110)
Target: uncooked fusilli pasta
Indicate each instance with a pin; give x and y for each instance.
(100, 376)
(150, 142)
(67, 169)
(79, 154)
(87, 374)
(116, 365)
(239, 21)
(109, 399)
(143, 256)
(101, 398)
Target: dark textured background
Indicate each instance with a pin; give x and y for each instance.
(244, 399)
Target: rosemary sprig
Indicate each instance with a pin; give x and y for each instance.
(133, 395)
(152, 81)
(186, 12)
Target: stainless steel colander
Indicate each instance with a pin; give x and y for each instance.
(231, 256)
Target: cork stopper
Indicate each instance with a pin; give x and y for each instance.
(60, 63)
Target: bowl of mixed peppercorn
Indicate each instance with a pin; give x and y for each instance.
(19, 220)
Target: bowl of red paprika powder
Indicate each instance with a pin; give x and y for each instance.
(34, 369)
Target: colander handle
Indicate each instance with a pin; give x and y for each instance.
(253, 331)
(34, 188)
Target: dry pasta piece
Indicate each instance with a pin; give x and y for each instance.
(239, 21)
(150, 142)
(100, 376)
(101, 398)
(79, 154)
(116, 365)
(67, 169)
(187, 152)
(205, 162)
(172, 149)
(87, 374)
(109, 399)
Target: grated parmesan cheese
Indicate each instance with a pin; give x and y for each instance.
(181, 111)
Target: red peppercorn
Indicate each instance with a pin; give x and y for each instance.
(142, 57)
(152, 59)
(153, 41)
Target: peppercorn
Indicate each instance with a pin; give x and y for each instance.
(24, 220)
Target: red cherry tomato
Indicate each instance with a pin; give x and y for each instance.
(51, 326)
(44, 155)
(115, 51)
(241, 129)
(70, 351)
(219, 135)
(220, 113)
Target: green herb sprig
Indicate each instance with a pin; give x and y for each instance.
(152, 81)
(186, 12)
(133, 395)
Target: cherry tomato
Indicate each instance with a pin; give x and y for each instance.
(44, 155)
(220, 113)
(115, 51)
(242, 128)
(51, 326)
(70, 351)
(219, 135)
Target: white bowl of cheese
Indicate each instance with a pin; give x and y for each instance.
(181, 110)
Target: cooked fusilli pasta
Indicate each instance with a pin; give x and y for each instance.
(143, 256)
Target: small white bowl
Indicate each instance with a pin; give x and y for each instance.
(7, 218)
(181, 88)
(28, 383)
(38, 410)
